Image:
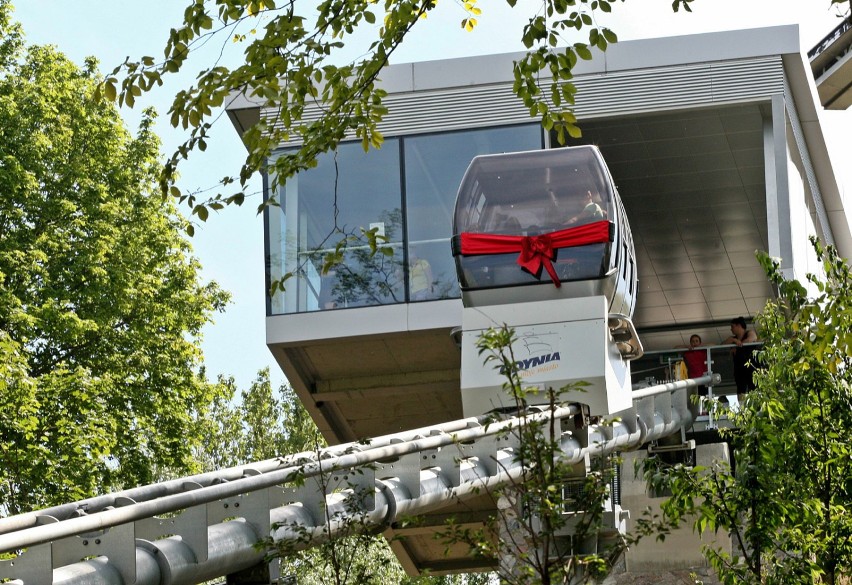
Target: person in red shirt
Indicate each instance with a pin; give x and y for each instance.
(696, 366)
(695, 359)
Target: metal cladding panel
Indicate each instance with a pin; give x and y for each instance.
(437, 111)
(610, 94)
(646, 90)
(557, 343)
(742, 80)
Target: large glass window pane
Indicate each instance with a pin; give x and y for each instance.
(434, 166)
(328, 210)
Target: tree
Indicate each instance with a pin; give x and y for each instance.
(101, 302)
(786, 502)
(262, 424)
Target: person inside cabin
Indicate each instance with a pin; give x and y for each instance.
(591, 211)
(743, 355)
(583, 261)
(508, 224)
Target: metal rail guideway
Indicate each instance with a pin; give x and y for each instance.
(216, 519)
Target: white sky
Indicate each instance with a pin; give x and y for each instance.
(230, 245)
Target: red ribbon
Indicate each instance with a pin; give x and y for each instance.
(536, 251)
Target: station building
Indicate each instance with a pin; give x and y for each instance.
(714, 143)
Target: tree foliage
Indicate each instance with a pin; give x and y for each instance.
(786, 503)
(259, 423)
(101, 303)
(295, 68)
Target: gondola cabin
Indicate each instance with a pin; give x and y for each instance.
(541, 243)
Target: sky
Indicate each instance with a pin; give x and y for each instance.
(230, 244)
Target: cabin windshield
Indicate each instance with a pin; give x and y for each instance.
(528, 194)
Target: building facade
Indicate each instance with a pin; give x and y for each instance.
(715, 145)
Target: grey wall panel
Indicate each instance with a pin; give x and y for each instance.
(614, 94)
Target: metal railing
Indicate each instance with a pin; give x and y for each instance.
(829, 39)
(667, 362)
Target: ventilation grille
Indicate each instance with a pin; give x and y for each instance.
(605, 95)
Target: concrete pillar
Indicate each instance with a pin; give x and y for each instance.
(681, 550)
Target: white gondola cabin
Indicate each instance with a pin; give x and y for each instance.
(542, 244)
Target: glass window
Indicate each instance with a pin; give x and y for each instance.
(351, 192)
(329, 210)
(434, 167)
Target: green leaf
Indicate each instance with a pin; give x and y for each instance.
(574, 131)
(583, 51)
(109, 90)
(107, 284)
(201, 211)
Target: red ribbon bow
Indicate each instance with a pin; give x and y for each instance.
(536, 251)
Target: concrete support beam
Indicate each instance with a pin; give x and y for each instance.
(682, 549)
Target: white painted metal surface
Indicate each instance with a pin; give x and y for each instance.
(558, 342)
